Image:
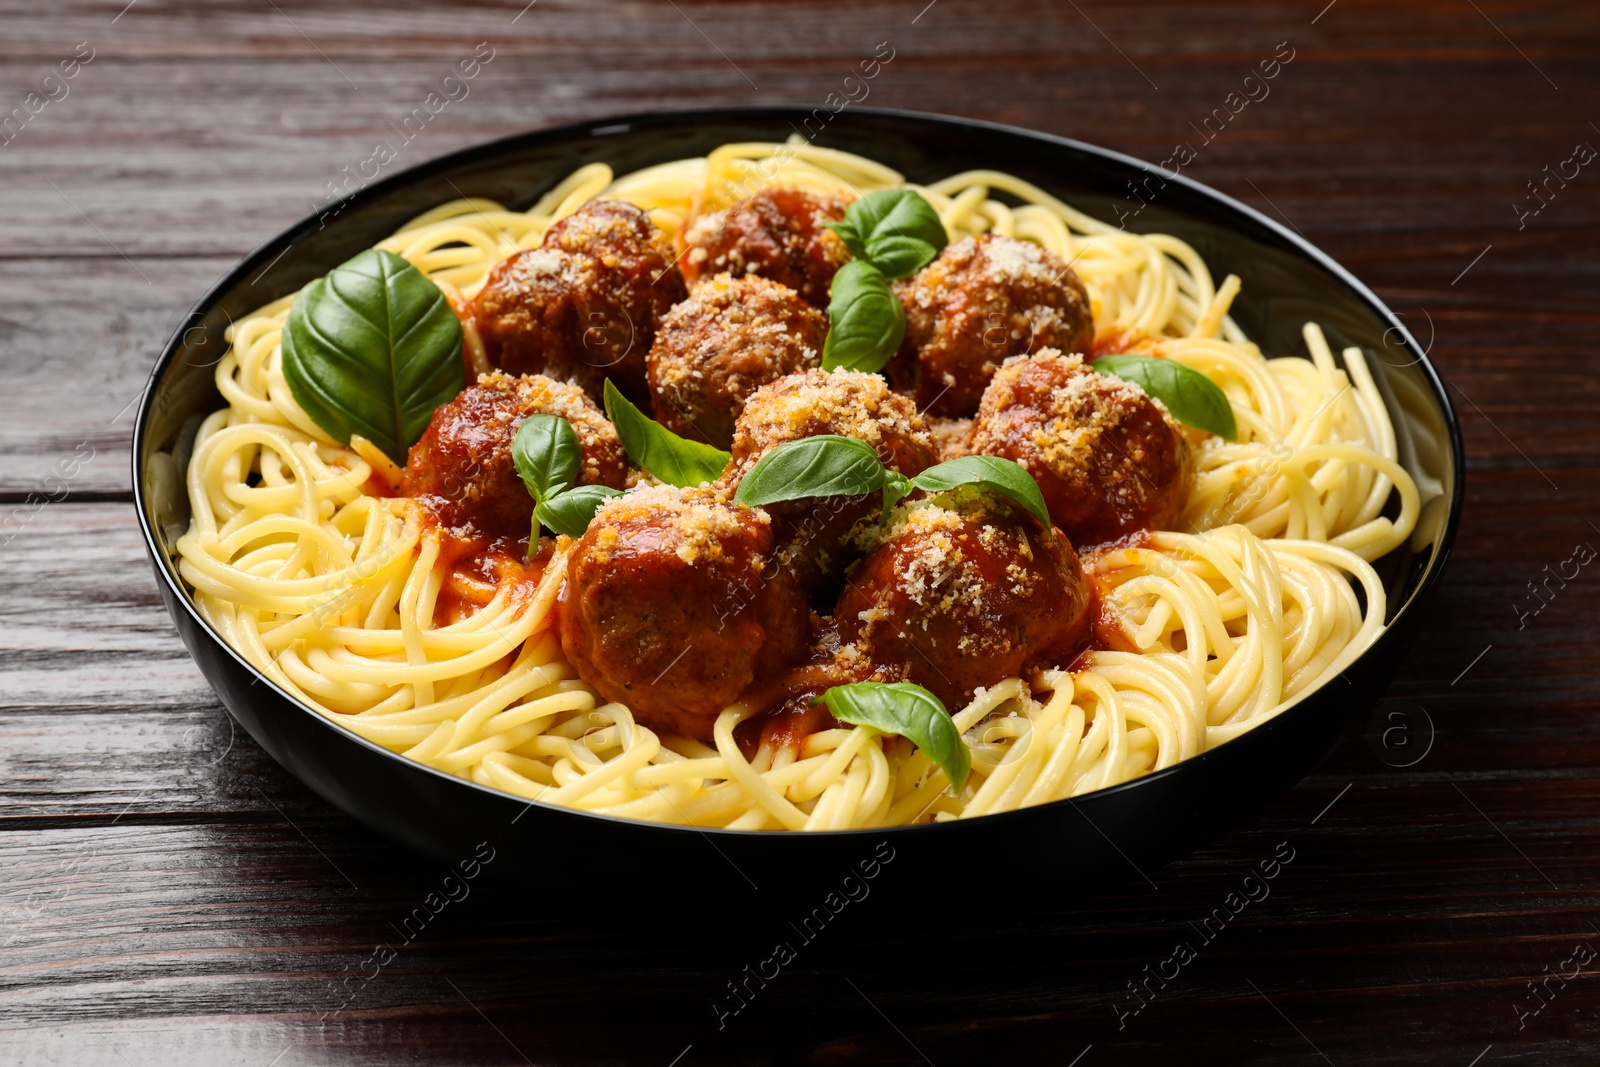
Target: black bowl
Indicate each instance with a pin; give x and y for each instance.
(1105, 834)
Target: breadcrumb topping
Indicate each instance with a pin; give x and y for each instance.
(548, 396)
(1107, 456)
(999, 263)
(533, 268)
(942, 544)
(1082, 405)
(949, 436)
(715, 349)
(847, 403)
(780, 234)
(979, 302)
(692, 523)
(763, 317)
(708, 231)
(598, 223)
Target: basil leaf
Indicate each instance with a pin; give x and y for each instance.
(675, 460)
(850, 236)
(895, 230)
(825, 465)
(1191, 397)
(571, 510)
(910, 711)
(896, 487)
(900, 257)
(547, 455)
(373, 348)
(1010, 480)
(865, 320)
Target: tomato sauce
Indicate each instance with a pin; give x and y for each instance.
(476, 567)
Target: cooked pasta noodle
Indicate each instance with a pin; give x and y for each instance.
(1263, 592)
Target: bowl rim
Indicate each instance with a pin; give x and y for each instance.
(274, 247)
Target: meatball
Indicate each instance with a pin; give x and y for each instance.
(979, 303)
(847, 403)
(671, 606)
(585, 304)
(1108, 459)
(949, 436)
(461, 468)
(811, 533)
(779, 233)
(732, 336)
(963, 591)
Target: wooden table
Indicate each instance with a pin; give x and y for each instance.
(169, 895)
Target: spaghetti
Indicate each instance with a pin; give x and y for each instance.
(1263, 591)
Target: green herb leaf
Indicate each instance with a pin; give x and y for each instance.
(675, 460)
(895, 230)
(900, 257)
(1010, 480)
(547, 455)
(373, 348)
(896, 487)
(850, 236)
(571, 510)
(1191, 397)
(865, 320)
(910, 711)
(825, 465)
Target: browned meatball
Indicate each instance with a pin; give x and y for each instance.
(584, 305)
(847, 403)
(1108, 459)
(979, 303)
(949, 436)
(811, 533)
(671, 606)
(461, 467)
(731, 337)
(779, 234)
(965, 591)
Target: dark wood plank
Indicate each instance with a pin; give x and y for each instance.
(77, 340)
(182, 931)
(235, 160)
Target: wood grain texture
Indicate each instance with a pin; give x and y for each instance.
(168, 895)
